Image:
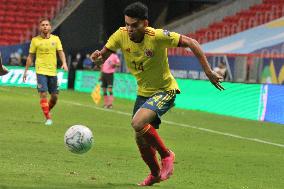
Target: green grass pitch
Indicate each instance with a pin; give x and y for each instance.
(212, 151)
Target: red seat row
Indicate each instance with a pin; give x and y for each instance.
(19, 17)
(243, 20)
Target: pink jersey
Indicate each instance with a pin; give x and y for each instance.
(110, 64)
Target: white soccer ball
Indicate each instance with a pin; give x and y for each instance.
(78, 139)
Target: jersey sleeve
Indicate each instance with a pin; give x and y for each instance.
(113, 42)
(167, 39)
(59, 45)
(32, 49)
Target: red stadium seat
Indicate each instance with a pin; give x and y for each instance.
(243, 20)
(18, 17)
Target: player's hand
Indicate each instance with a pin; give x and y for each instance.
(215, 79)
(65, 67)
(24, 76)
(96, 56)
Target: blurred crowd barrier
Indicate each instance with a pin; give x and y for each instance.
(243, 68)
(263, 102)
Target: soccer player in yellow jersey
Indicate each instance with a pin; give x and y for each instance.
(145, 52)
(3, 69)
(44, 47)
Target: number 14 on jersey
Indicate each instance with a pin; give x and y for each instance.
(138, 66)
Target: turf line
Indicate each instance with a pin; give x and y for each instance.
(181, 125)
(171, 123)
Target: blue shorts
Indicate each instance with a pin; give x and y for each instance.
(160, 103)
(47, 83)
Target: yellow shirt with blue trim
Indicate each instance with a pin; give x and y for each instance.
(148, 60)
(45, 50)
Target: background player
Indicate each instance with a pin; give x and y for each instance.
(44, 47)
(107, 74)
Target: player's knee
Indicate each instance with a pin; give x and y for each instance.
(133, 124)
(43, 95)
(136, 124)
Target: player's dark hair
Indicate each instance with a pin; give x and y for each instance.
(137, 10)
(43, 19)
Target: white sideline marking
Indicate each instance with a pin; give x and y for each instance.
(181, 125)
(171, 123)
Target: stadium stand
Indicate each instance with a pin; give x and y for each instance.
(256, 15)
(251, 41)
(16, 26)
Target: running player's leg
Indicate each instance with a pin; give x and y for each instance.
(53, 91)
(42, 88)
(147, 152)
(141, 123)
(147, 118)
(53, 100)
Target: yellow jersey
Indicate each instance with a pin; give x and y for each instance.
(147, 60)
(45, 50)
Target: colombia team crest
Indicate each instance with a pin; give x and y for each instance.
(149, 53)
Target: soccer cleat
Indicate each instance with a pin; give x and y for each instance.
(167, 166)
(150, 180)
(48, 122)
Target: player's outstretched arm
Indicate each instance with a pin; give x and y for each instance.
(214, 78)
(63, 60)
(99, 57)
(29, 62)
